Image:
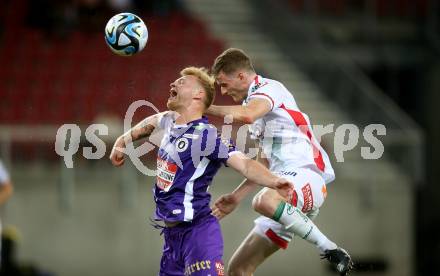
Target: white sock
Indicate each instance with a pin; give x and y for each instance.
(299, 224)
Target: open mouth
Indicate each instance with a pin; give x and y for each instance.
(173, 93)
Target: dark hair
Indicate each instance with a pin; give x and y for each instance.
(231, 60)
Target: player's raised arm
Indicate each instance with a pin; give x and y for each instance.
(247, 186)
(255, 109)
(142, 130)
(255, 171)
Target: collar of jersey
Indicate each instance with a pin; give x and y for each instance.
(258, 79)
(203, 120)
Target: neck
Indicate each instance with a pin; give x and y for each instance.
(188, 115)
(250, 78)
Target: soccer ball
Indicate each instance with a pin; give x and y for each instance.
(126, 34)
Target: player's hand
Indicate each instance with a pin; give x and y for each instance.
(224, 205)
(283, 186)
(117, 155)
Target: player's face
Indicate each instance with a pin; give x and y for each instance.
(182, 92)
(233, 85)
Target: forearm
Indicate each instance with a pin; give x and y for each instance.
(246, 187)
(239, 113)
(254, 171)
(259, 174)
(141, 130)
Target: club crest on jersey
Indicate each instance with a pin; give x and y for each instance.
(181, 144)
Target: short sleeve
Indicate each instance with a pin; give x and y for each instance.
(165, 120)
(268, 92)
(214, 147)
(4, 176)
(223, 149)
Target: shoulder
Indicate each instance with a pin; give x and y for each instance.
(168, 115)
(204, 131)
(166, 118)
(267, 87)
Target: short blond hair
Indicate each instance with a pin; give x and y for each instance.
(230, 61)
(205, 80)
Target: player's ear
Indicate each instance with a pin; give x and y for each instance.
(198, 94)
(240, 75)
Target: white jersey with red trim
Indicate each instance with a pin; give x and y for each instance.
(285, 132)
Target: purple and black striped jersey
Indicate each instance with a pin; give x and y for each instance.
(188, 158)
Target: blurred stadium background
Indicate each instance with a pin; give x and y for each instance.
(359, 62)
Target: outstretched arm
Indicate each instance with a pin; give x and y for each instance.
(227, 203)
(256, 108)
(254, 171)
(139, 131)
(247, 186)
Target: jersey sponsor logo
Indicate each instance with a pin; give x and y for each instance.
(308, 198)
(182, 144)
(166, 172)
(219, 267)
(288, 173)
(198, 266)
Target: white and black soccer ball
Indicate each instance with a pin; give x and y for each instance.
(126, 34)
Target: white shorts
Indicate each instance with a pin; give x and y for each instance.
(308, 194)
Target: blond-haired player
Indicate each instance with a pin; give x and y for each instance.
(189, 157)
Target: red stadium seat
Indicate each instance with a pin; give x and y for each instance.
(54, 81)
